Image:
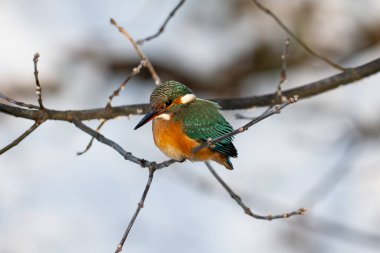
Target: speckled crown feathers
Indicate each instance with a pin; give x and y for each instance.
(169, 90)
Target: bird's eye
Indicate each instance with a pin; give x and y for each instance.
(169, 102)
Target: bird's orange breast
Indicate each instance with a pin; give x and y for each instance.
(173, 142)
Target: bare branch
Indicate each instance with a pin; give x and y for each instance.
(38, 86)
(21, 104)
(121, 87)
(140, 205)
(38, 90)
(89, 145)
(162, 28)
(283, 79)
(140, 53)
(276, 109)
(318, 87)
(291, 34)
(283, 76)
(308, 90)
(115, 93)
(20, 138)
(246, 209)
(126, 155)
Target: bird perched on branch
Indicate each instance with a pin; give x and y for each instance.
(181, 122)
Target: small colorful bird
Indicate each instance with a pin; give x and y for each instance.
(181, 122)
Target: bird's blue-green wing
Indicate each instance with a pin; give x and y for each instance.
(202, 120)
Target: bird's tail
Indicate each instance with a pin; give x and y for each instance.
(225, 161)
(228, 164)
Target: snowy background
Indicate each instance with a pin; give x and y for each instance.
(54, 201)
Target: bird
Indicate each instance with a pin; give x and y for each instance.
(181, 122)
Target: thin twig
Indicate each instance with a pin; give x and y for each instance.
(283, 76)
(41, 106)
(274, 110)
(162, 28)
(38, 90)
(89, 145)
(114, 94)
(153, 166)
(140, 205)
(21, 104)
(279, 98)
(291, 34)
(140, 53)
(246, 209)
(38, 86)
(126, 155)
(20, 138)
(121, 87)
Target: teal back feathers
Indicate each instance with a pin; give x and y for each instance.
(202, 120)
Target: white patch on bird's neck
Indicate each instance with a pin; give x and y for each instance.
(164, 116)
(187, 98)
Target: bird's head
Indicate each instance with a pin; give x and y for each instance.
(166, 99)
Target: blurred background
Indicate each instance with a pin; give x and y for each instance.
(321, 153)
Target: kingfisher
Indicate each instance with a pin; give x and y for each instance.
(181, 122)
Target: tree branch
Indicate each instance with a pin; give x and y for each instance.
(89, 144)
(114, 94)
(18, 103)
(246, 209)
(20, 138)
(126, 155)
(347, 77)
(283, 76)
(308, 90)
(276, 109)
(291, 34)
(140, 205)
(162, 28)
(140, 53)
(38, 86)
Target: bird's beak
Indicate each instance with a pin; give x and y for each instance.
(148, 117)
